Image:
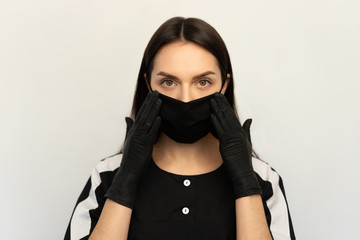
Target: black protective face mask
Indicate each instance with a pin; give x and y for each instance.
(186, 122)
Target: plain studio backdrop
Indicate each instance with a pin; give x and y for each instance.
(67, 77)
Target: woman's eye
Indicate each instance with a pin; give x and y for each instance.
(204, 83)
(167, 83)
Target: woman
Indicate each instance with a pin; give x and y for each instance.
(186, 170)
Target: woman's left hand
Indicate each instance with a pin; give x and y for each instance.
(235, 147)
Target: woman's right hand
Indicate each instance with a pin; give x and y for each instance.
(140, 138)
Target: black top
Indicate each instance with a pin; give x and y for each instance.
(172, 206)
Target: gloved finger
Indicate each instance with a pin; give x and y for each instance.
(225, 107)
(222, 106)
(145, 103)
(154, 131)
(152, 114)
(217, 125)
(214, 106)
(246, 127)
(129, 123)
(146, 107)
(225, 122)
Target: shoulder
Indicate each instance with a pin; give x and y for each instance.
(104, 171)
(269, 179)
(264, 170)
(274, 200)
(108, 164)
(89, 205)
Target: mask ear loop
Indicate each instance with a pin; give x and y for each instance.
(222, 85)
(147, 83)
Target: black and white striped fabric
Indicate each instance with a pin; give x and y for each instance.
(91, 200)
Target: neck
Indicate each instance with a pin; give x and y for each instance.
(205, 150)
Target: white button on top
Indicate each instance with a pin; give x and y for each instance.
(185, 210)
(187, 182)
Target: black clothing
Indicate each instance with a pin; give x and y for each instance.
(172, 206)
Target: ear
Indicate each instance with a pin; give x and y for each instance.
(146, 81)
(226, 83)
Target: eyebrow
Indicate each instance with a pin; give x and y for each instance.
(196, 77)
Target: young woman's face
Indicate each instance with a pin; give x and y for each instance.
(185, 71)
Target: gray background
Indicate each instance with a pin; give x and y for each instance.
(67, 78)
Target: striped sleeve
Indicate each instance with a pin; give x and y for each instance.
(274, 200)
(91, 200)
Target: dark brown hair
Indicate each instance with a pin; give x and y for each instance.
(188, 30)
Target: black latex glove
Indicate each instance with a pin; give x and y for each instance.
(140, 138)
(235, 147)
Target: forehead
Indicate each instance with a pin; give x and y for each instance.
(184, 56)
